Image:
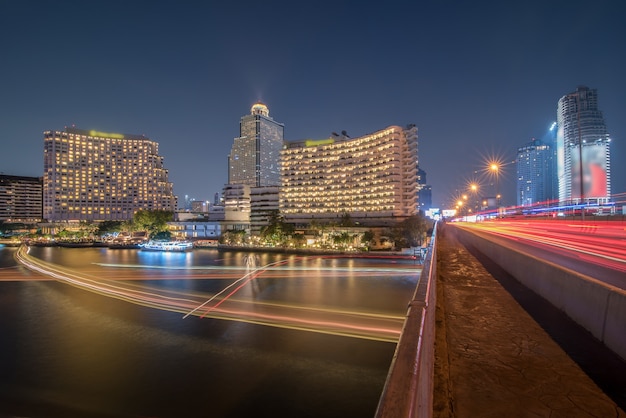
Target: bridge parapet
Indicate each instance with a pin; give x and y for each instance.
(408, 391)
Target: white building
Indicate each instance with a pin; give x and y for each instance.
(583, 149)
(372, 178)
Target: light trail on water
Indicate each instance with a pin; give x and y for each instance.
(355, 324)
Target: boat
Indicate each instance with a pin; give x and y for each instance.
(126, 243)
(167, 246)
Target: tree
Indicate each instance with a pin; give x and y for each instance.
(415, 228)
(346, 220)
(236, 237)
(411, 232)
(162, 236)
(106, 227)
(277, 231)
(153, 221)
(367, 238)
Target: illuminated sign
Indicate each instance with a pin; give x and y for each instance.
(106, 135)
(315, 143)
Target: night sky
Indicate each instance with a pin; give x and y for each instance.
(478, 78)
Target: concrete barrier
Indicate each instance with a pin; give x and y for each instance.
(596, 306)
(408, 391)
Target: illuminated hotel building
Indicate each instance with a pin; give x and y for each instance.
(372, 178)
(95, 176)
(254, 156)
(583, 149)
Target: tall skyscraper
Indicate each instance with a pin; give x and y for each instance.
(94, 176)
(583, 149)
(425, 191)
(372, 178)
(535, 173)
(254, 156)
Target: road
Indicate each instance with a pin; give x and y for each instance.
(597, 250)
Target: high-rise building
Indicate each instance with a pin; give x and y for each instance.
(535, 173)
(372, 178)
(425, 191)
(583, 149)
(94, 176)
(20, 198)
(254, 156)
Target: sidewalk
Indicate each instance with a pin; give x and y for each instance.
(492, 359)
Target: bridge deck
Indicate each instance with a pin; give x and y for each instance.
(493, 359)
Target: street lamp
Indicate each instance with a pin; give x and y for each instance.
(494, 167)
(474, 189)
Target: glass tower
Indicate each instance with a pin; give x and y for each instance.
(534, 173)
(583, 149)
(254, 156)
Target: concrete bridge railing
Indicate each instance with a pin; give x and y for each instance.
(408, 391)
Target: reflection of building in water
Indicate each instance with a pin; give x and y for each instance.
(251, 260)
(582, 133)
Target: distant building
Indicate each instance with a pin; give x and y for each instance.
(254, 156)
(195, 229)
(200, 206)
(425, 193)
(236, 207)
(535, 173)
(97, 176)
(583, 149)
(372, 178)
(20, 198)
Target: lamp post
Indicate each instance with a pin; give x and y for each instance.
(474, 189)
(495, 169)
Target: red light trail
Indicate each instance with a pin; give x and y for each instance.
(357, 324)
(599, 243)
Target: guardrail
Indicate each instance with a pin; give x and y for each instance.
(408, 391)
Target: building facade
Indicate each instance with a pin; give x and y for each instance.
(97, 176)
(21, 198)
(535, 173)
(263, 203)
(372, 178)
(254, 156)
(583, 149)
(425, 192)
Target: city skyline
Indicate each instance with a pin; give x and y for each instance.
(478, 81)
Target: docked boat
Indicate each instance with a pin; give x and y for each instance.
(167, 246)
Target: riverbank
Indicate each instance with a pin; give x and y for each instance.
(409, 255)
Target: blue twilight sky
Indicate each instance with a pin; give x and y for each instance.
(478, 78)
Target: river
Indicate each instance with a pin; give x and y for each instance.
(306, 337)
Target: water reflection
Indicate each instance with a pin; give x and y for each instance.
(84, 352)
